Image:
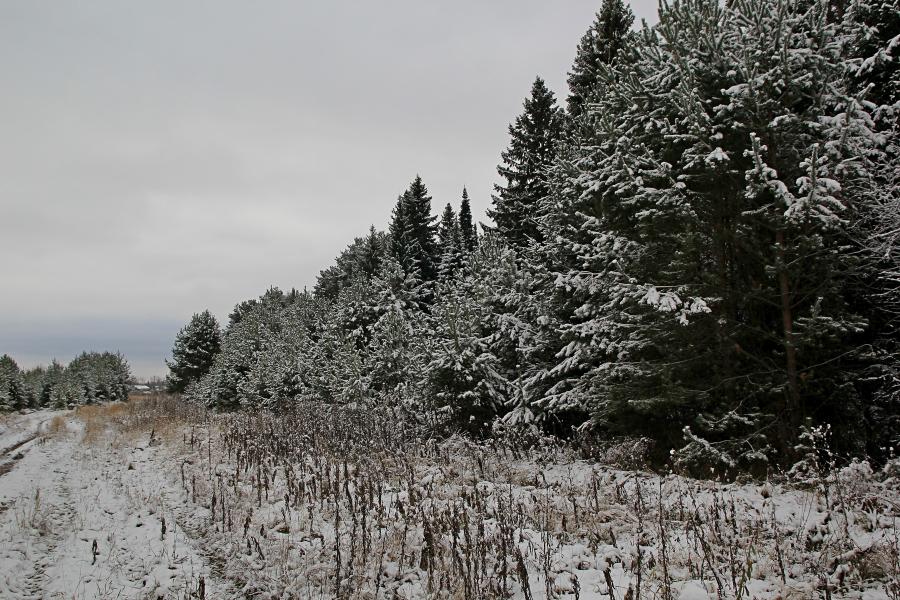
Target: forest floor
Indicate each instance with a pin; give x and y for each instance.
(153, 499)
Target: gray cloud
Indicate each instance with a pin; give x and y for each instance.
(159, 158)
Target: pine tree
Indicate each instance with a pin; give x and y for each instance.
(93, 377)
(42, 380)
(53, 377)
(531, 151)
(64, 394)
(287, 356)
(598, 48)
(467, 230)
(35, 381)
(239, 311)
(195, 349)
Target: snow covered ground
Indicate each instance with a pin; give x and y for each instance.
(84, 521)
(152, 500)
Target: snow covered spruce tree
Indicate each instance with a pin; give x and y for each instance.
(450, 243)
(544, 308)
(532, 149)
(878, 48)
(412, 232)
(467, 230)
(707, 224)
(195, 349)
(342, 331)
(13, 393)
(219, 387)
(470, 362)
(393, 354)
(227, 385)
(489, 350)
(41, 382)
(278, 373)
(598, 48)
(66, 393)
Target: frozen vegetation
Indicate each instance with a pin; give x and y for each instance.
(157, 499)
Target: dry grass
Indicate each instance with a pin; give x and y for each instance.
(159, 416)
(97, 418)
(34, 514)
(57, 426)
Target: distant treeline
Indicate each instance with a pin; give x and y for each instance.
(89, 378)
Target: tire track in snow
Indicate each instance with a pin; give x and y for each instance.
(61, 496)
(10, 461)
(41, 522)
(58, 519)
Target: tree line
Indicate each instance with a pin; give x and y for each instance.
(698, 249)
(89, 378)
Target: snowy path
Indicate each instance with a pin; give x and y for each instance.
(81, 521)
(16, 431)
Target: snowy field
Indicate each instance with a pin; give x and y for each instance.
(154, 500)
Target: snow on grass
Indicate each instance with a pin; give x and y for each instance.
(332, 502)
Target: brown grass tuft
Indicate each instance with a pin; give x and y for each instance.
(97, 418)
(57, 425)
(159, 414)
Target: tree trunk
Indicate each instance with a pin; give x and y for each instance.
(791, 417)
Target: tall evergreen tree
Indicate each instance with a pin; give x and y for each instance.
(402, 243)
(43, 380)
(412, 232)
(467, 231)
(450, 243)
(598, 48)
(195, 349)
(421, 224)
(471, 356)
(531, 151)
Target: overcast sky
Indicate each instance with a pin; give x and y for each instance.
(158, 158)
